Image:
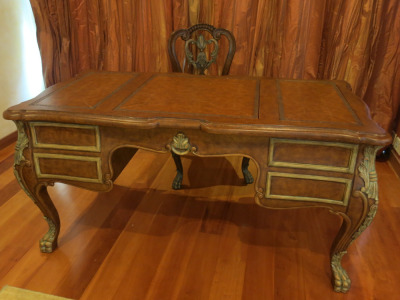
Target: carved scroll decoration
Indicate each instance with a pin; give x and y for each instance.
(201, 62)
(368, 173)
(19, 159)
(370, 189)
(108, 181)
(22, 143)
(259, 196)
(368, 220)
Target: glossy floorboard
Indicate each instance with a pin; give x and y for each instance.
(144, 240)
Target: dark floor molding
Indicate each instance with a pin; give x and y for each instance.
(8, 140)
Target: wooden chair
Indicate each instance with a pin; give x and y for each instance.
(198, 63)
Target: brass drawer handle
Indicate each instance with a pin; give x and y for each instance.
(180, 144)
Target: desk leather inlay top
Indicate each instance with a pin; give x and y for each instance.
(313, 142)
(150, 98)
(75, 94)
(257, 105)
(326, 103)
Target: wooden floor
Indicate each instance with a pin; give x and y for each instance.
(143, 240)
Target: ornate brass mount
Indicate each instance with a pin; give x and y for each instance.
(22, 143)
(370, 188)
(201, 62)
(180, 145)
(368, 173)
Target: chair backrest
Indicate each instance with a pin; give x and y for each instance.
(194, 39)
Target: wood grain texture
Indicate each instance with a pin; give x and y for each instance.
(143, 240)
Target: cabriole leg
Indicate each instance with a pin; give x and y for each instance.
(176, 184)
(248, 178)
(356, 219)
(37, 191)
(50, 240)
(340, 279)
(353, 225)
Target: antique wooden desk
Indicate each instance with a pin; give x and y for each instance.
(313, 142)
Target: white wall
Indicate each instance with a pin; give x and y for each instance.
(20, 66)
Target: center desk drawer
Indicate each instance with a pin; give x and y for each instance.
(65, 136)
(315, 155)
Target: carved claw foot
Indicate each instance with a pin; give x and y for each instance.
(47, 245)
(49, 241)
(248, 178)
(177, 183)
(340, 280)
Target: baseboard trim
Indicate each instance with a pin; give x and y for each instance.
(394, 160)
(8, 140)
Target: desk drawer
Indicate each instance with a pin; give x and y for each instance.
(315, 155)
(302, 187)
(68, 167)
(65, 136)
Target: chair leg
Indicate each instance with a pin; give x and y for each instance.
(248, 178)
(176, 184)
